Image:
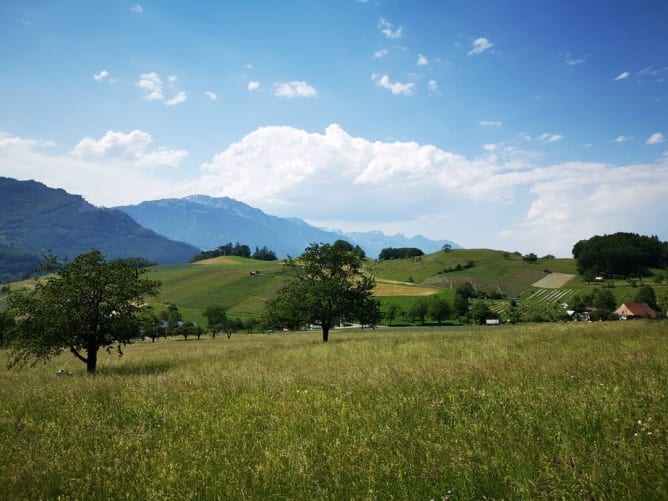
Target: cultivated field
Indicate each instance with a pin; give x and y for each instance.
(572, 411)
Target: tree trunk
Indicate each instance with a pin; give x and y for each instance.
(91, 360)
(325, 332)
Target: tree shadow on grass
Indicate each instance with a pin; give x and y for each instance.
(144, 369)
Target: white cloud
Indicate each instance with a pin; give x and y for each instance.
(101, 75)
(574, 62)
(479, 46)
(286, 171)
(151, 84)
(432, 85)
(211, 95)
(621, 139)
(655, 138)
(549, 138)
(248, 66)
(294, 89)
(422, 60)
(388, 30)
(162, 156)
(491, 123)
(380, 53)
(180, 97)
(116, 144)
(253, 86)
(622, 76)
(137, 8)
(127, 147)
(397, 88)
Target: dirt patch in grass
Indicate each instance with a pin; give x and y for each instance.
(554, 280)
(394, 288)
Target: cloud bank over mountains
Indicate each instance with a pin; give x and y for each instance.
(337, 180)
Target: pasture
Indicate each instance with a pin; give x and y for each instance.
(533, 411)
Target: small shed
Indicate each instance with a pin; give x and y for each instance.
(634, 310)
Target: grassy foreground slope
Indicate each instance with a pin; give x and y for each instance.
(569, 411)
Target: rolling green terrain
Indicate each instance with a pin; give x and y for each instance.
(243, 285)
(228, 281)
(559, 411)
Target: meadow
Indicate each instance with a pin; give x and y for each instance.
(533, 411)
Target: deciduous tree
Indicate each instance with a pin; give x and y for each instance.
(87, 304)
(326, 287)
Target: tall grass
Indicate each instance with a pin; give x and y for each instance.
(559, 411)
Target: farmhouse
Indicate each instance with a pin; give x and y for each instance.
(633, 310)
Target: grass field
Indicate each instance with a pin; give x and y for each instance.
(572, 411)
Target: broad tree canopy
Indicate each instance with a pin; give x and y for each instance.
(326, 287)
(85, 305)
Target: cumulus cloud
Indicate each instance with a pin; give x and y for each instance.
(101, 75)
(211, 95)
(491, 123)
(479, 46)
(180, 97)
(388, 30)
(294, 89)
(137, 9)
(404, 185)
(396, 88)
(422, 60)
(622, 76)
(380, 53)
(253, 86)
(290, 171)
(432, 85)
(117, 169)
(131, 146)
(621, 139)
(655, 138)
(153, 88)
(151, 85)
(550, 138)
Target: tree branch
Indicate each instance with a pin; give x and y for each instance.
(78, 355)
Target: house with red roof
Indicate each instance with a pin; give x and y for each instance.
(635, 310)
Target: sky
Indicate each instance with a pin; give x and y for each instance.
(519, 125)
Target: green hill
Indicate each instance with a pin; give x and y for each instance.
(491, 270)
(243, 285)
(228, 280)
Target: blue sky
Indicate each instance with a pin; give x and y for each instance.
(518, 125)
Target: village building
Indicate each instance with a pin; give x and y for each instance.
(635, 310)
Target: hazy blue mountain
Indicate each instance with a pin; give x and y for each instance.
(375, 241)
(36, 219)
(209, 222)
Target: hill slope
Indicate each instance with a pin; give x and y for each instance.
(208, 223)
(35, 219)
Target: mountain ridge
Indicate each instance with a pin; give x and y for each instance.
(209, 222)
(36, 219)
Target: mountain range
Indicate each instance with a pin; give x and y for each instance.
(209, 222)
(36, 219)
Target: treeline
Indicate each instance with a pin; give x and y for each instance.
(399, 253)
(170, 322)
(239, 250)
(620, 254)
